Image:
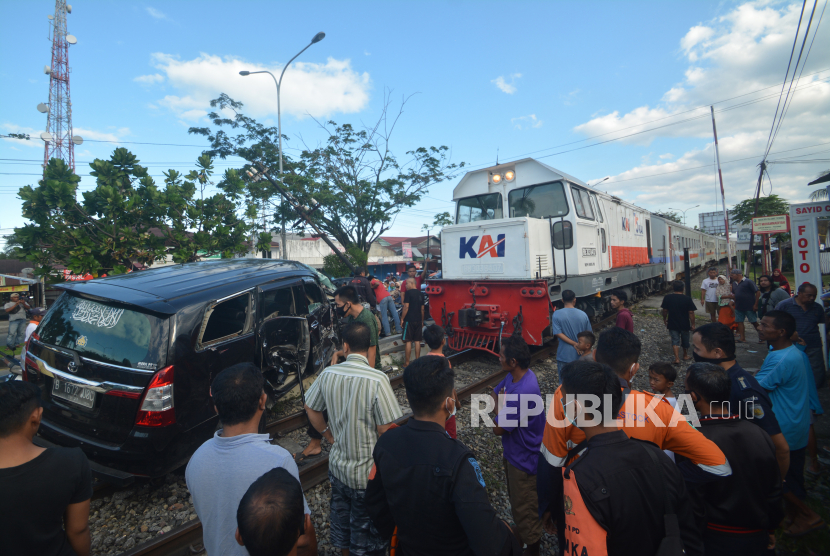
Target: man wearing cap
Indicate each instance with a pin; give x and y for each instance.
(16, 309)
(746, 295)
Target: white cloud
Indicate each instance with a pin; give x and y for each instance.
(694, 37)
(308, 88)
(506, 87)
(34, 135)
(102, 135)
(149, 79)
(526, 122)
(570, 98)
(156, 14)
(745, 50)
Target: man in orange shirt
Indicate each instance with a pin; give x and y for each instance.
(643, 416)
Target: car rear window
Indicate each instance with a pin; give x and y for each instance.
(106, 332)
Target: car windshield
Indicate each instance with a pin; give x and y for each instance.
(480, 207)
(538, 201)
(106, 332)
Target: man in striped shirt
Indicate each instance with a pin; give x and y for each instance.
(361, 406)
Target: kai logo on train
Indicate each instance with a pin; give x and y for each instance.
(485, 247)
(633, 224)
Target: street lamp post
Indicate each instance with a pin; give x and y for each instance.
(684, 212)
(317, 38)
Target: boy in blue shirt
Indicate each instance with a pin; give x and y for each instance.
(787, 376)
(520, 422)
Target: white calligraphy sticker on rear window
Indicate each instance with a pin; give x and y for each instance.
(97, 314)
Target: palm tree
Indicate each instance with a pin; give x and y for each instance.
(820, 194)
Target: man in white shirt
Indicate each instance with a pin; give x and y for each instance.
(708, 294)
(16, 308)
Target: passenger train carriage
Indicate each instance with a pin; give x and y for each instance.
(524, 232)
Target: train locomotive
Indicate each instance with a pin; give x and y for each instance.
(525, 231)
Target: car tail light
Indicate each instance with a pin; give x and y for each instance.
(157, 404)
(26, 360)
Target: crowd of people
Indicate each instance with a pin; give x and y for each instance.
(606, 468)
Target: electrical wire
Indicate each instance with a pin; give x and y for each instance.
(800, 52)
(786, 76)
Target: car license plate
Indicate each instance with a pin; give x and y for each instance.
(72, 392)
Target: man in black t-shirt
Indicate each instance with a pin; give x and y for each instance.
(679, 316)
(363, 287)
(45, 491)
(413, 319)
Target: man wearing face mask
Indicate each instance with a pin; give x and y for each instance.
(620, 350)
(430, 486)
(715, 343)
(349, 310)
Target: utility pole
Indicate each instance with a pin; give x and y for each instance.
(750, 256)
(722, 194)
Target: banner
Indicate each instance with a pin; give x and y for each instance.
(778, 224)
(6, 289)
(406, 247)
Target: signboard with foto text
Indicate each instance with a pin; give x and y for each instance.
(406, 247)
(778, 224)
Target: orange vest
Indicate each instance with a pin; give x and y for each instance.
(583, 535)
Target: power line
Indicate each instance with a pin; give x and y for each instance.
(803, 42)
(702, 116)
(709, 165)
(786, 77)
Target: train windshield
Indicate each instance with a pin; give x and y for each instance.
(480, 207)
(538, 201)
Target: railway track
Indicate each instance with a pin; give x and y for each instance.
(182, 540)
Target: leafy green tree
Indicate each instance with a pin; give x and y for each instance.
(820, 194)
(127, 219)
(334, 265)
(672, 216)
(352, 184)
(770, 205)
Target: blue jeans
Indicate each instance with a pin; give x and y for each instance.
(350, 526)
(17, 329)
(387, 305)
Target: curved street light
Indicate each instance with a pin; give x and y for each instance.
(684, 212)
(317, 38)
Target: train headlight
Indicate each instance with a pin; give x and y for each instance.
(496, 178)
(510, 175)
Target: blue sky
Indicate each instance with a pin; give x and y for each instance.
(518, 77)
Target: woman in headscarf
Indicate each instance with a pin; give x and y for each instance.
(726, 314)
(779, 278)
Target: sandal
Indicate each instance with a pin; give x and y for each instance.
(301, 458)
(808, 529)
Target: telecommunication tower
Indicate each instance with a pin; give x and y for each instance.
(58, 138)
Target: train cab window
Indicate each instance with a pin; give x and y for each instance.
(582, 203)
(597, 210)
(563, 235)
(480, 207)
(538, 201)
